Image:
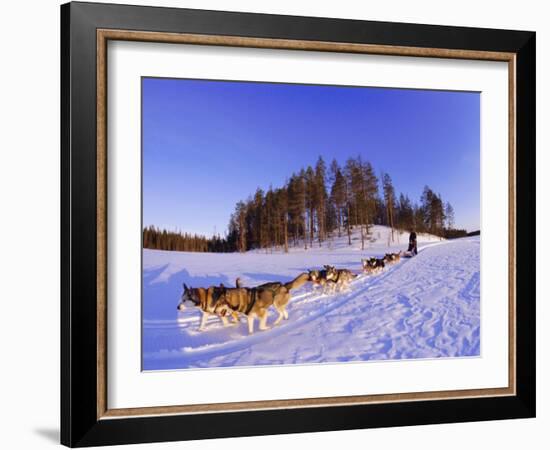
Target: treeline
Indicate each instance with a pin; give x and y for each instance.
(314, 205)
(455, 233)
(319, 202)
(157, 239)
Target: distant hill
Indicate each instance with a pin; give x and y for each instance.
(379, 240)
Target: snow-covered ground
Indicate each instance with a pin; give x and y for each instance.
(423, 307)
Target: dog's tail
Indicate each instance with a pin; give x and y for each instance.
(300, 280)
(349, 273)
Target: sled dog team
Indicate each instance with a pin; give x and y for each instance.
(375, 265)
(254, 302)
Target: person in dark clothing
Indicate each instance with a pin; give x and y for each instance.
(412, 243)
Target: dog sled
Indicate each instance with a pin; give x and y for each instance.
(411, 251)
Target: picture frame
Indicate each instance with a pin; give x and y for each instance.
(86, 419)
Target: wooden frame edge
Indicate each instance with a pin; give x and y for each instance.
(289, 44)
(101, 224)
(103, 35)
(512, 199)
(213, 408)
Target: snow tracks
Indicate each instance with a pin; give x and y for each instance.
(423, 307)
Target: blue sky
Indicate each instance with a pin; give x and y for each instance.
(209, 144)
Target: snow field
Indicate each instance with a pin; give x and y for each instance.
(424, 307)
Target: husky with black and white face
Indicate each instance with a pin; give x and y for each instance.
(205, 299)
(373, 265)
(323, 278)
(189, 298)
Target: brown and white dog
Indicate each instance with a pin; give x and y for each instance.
(342, 279)
(254, 302)
(331, 278)
(392, 258)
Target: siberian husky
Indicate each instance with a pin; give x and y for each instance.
(255, 302)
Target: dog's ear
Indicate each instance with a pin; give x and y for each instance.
(185, 288)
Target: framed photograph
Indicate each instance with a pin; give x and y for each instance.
(276, 224)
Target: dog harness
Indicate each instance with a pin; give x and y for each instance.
(251, 305)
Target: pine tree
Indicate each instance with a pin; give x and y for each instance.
(405, 213)
(450, 215)
(297, 206)
(389, 198)
(433, 212)
(370, 192)
(241, 218)
(320, 199)
(282, 202)
(269, 224)
(379, 211)
(439, 212)
(338, 194)
(356, 182)
(311, 191)
(259, 219)
(426, 204)
(419, 219)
